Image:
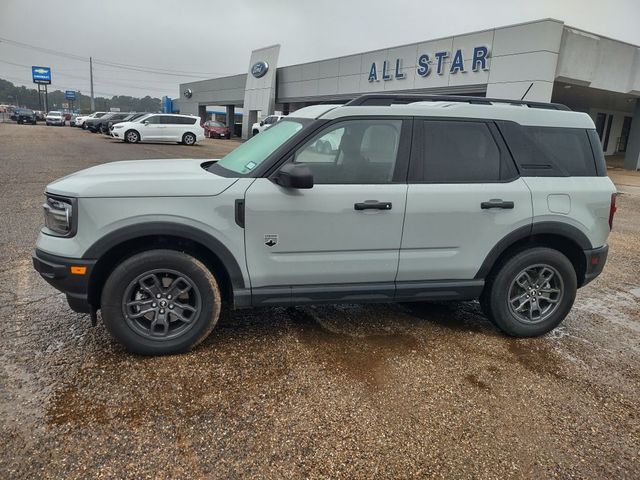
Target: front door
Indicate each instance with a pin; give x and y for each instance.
(150, 128)
(342, 236)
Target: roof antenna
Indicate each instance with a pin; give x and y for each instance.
(525, 93)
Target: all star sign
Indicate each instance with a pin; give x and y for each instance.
(428, 62)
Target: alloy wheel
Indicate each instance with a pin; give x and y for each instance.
(161, 304)
(535, 293)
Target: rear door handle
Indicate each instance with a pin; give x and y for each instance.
(496, 203)
(372, 205)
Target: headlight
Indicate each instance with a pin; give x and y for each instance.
(118, 126)
(58, 215)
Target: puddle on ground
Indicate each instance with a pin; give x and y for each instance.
(364, 358)
(538, 356)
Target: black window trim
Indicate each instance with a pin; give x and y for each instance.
(401, 166)
(507, 163)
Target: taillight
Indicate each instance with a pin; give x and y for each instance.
(612, 210)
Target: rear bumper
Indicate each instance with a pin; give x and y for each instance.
(57, 272)
(595, 260)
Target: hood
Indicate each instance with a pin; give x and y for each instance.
(142, 178)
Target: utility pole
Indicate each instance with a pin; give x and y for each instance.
(93, 103)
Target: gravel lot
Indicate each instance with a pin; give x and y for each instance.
(334, 391)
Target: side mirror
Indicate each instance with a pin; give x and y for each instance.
(294, 175)
(146, 122)
(262, 123)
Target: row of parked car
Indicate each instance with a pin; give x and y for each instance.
(54, 117)
(134, 127)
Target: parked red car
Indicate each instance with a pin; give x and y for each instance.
(214, 129)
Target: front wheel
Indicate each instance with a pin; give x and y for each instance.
(188, 139)
(161, 302)
(531, 293)
(132, 136)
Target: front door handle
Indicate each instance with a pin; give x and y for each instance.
(496, 203)
(372, 205)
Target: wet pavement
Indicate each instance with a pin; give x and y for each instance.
(351, 391)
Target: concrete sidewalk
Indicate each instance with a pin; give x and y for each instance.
(627, 181)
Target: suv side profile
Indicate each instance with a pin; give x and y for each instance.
(407, 198)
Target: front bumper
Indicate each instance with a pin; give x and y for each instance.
(57, 272)
(595, 260)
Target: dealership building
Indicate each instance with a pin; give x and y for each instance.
(544, 60)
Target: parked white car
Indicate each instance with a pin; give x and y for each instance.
(55, 118)
(82, 118)
(161, 127)
(258, 127)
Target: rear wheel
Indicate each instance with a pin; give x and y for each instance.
(132, 136)
(188, 139)
(161, 302)
(531, 293)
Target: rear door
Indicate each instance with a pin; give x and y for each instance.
(341, 237)
(464, 195)
(172, 127)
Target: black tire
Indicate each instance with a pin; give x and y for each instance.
(84, 126)
(504, 286)
(255, 132)
(189, 139)
(131, 136)
(130, 333)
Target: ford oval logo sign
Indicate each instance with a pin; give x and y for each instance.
(259, 69)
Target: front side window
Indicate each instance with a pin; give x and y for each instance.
(458, 152)
(153, 120)
(248, 156)
(353, 152)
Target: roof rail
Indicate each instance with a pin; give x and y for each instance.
(382, 100)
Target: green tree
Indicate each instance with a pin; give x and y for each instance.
(28, 97)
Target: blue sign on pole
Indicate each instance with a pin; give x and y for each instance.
(70, 95)
(41, 75)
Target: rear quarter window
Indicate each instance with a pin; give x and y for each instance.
(550, 151)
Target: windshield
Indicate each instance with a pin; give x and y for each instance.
(143, 118)
(55, 114)
(215, 124)
(252, 153)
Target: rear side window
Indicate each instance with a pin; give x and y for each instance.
(550, 151)
(174, 120)
(456, 152)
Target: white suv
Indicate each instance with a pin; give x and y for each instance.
(83, 118)
(387, 198)
(258, 127)
(162, 127)
(55, 118)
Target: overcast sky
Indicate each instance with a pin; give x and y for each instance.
(207, 38)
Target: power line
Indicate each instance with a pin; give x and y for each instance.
(106, 63)
(157, 88)
(21, 83)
